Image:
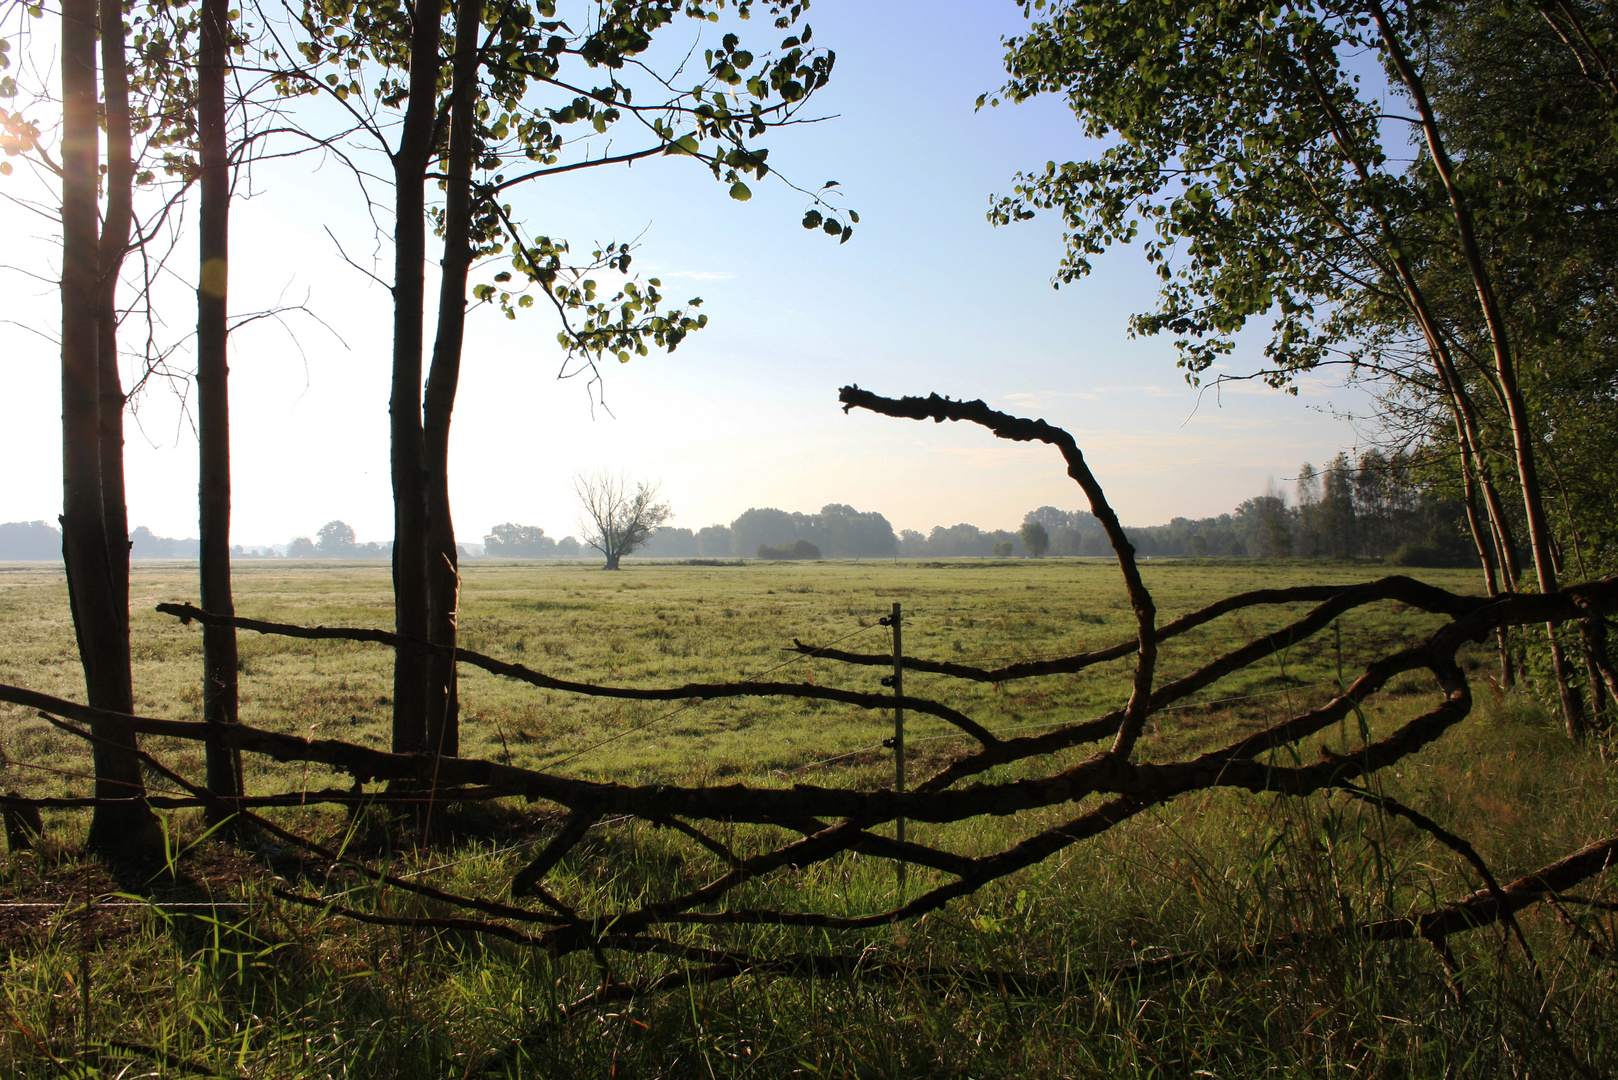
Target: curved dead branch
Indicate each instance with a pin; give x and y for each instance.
(1018, 429)
(1407, 590)
(823, 823)
(686, 692)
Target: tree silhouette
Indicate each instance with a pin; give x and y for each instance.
(335, 540)
(615, 520)
(1035, 540)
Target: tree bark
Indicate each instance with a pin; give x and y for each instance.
(99, 622)
(443, 578)
(410, 163)
(113, 245)
(219, 679)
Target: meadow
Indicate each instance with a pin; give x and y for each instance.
(253, 987)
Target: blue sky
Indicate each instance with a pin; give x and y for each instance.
(926, 297)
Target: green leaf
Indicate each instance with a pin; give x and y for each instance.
(832, 227)
(812, 219)
(684, 145)
(740, 192)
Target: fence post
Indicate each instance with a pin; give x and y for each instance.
(897, 681)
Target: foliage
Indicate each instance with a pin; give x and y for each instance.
(511, 541)
(1527, 97)
(335, 540)
(963, 539)
(839, 530)
(798, 549)
(30, 540)
(143, 544)
(1220, 121)
(1035, 541)
(1251, 157)
(559, 91)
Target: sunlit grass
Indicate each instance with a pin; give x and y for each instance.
(276, 990)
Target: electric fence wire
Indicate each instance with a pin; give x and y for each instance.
(693, 703)
(795, 658)
(1056, 724)
(597, 745)
(526, 843)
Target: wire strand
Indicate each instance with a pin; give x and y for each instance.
(703, 701)
(1061, 723)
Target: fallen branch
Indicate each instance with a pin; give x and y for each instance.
(1397, 587)
(687, 692)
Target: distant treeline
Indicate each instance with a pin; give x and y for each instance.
(336, 540)
(511, 541)
(837, 532)
(1373, 507)
(37, 540)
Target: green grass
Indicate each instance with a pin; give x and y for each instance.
(276, 990)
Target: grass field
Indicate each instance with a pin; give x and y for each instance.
(270, 990)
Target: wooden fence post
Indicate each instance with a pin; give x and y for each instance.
(897, 681)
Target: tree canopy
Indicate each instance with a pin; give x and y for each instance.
(1420, 192)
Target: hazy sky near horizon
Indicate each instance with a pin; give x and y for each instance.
(926, 297)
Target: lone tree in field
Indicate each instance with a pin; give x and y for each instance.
(615, 520)
(335, 540)
(1035, 540)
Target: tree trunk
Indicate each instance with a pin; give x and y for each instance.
(612, 561)
(1594, 632)
(1465, 414)
(99, 623)
(113, 245)
(410, 163)
(1539, 534)
(219, 685)
(443, 578)
(1485, 538)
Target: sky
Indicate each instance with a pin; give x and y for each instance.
(926, 297)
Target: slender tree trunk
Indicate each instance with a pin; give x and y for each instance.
(1594, 632)
(1539, 533)
(1483, 540)
(1465, 414)
(443, 578)
(1485, 536)
(99, 623)
(114, 243)
(410, 163)
(219, 683)
(1599, 717)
